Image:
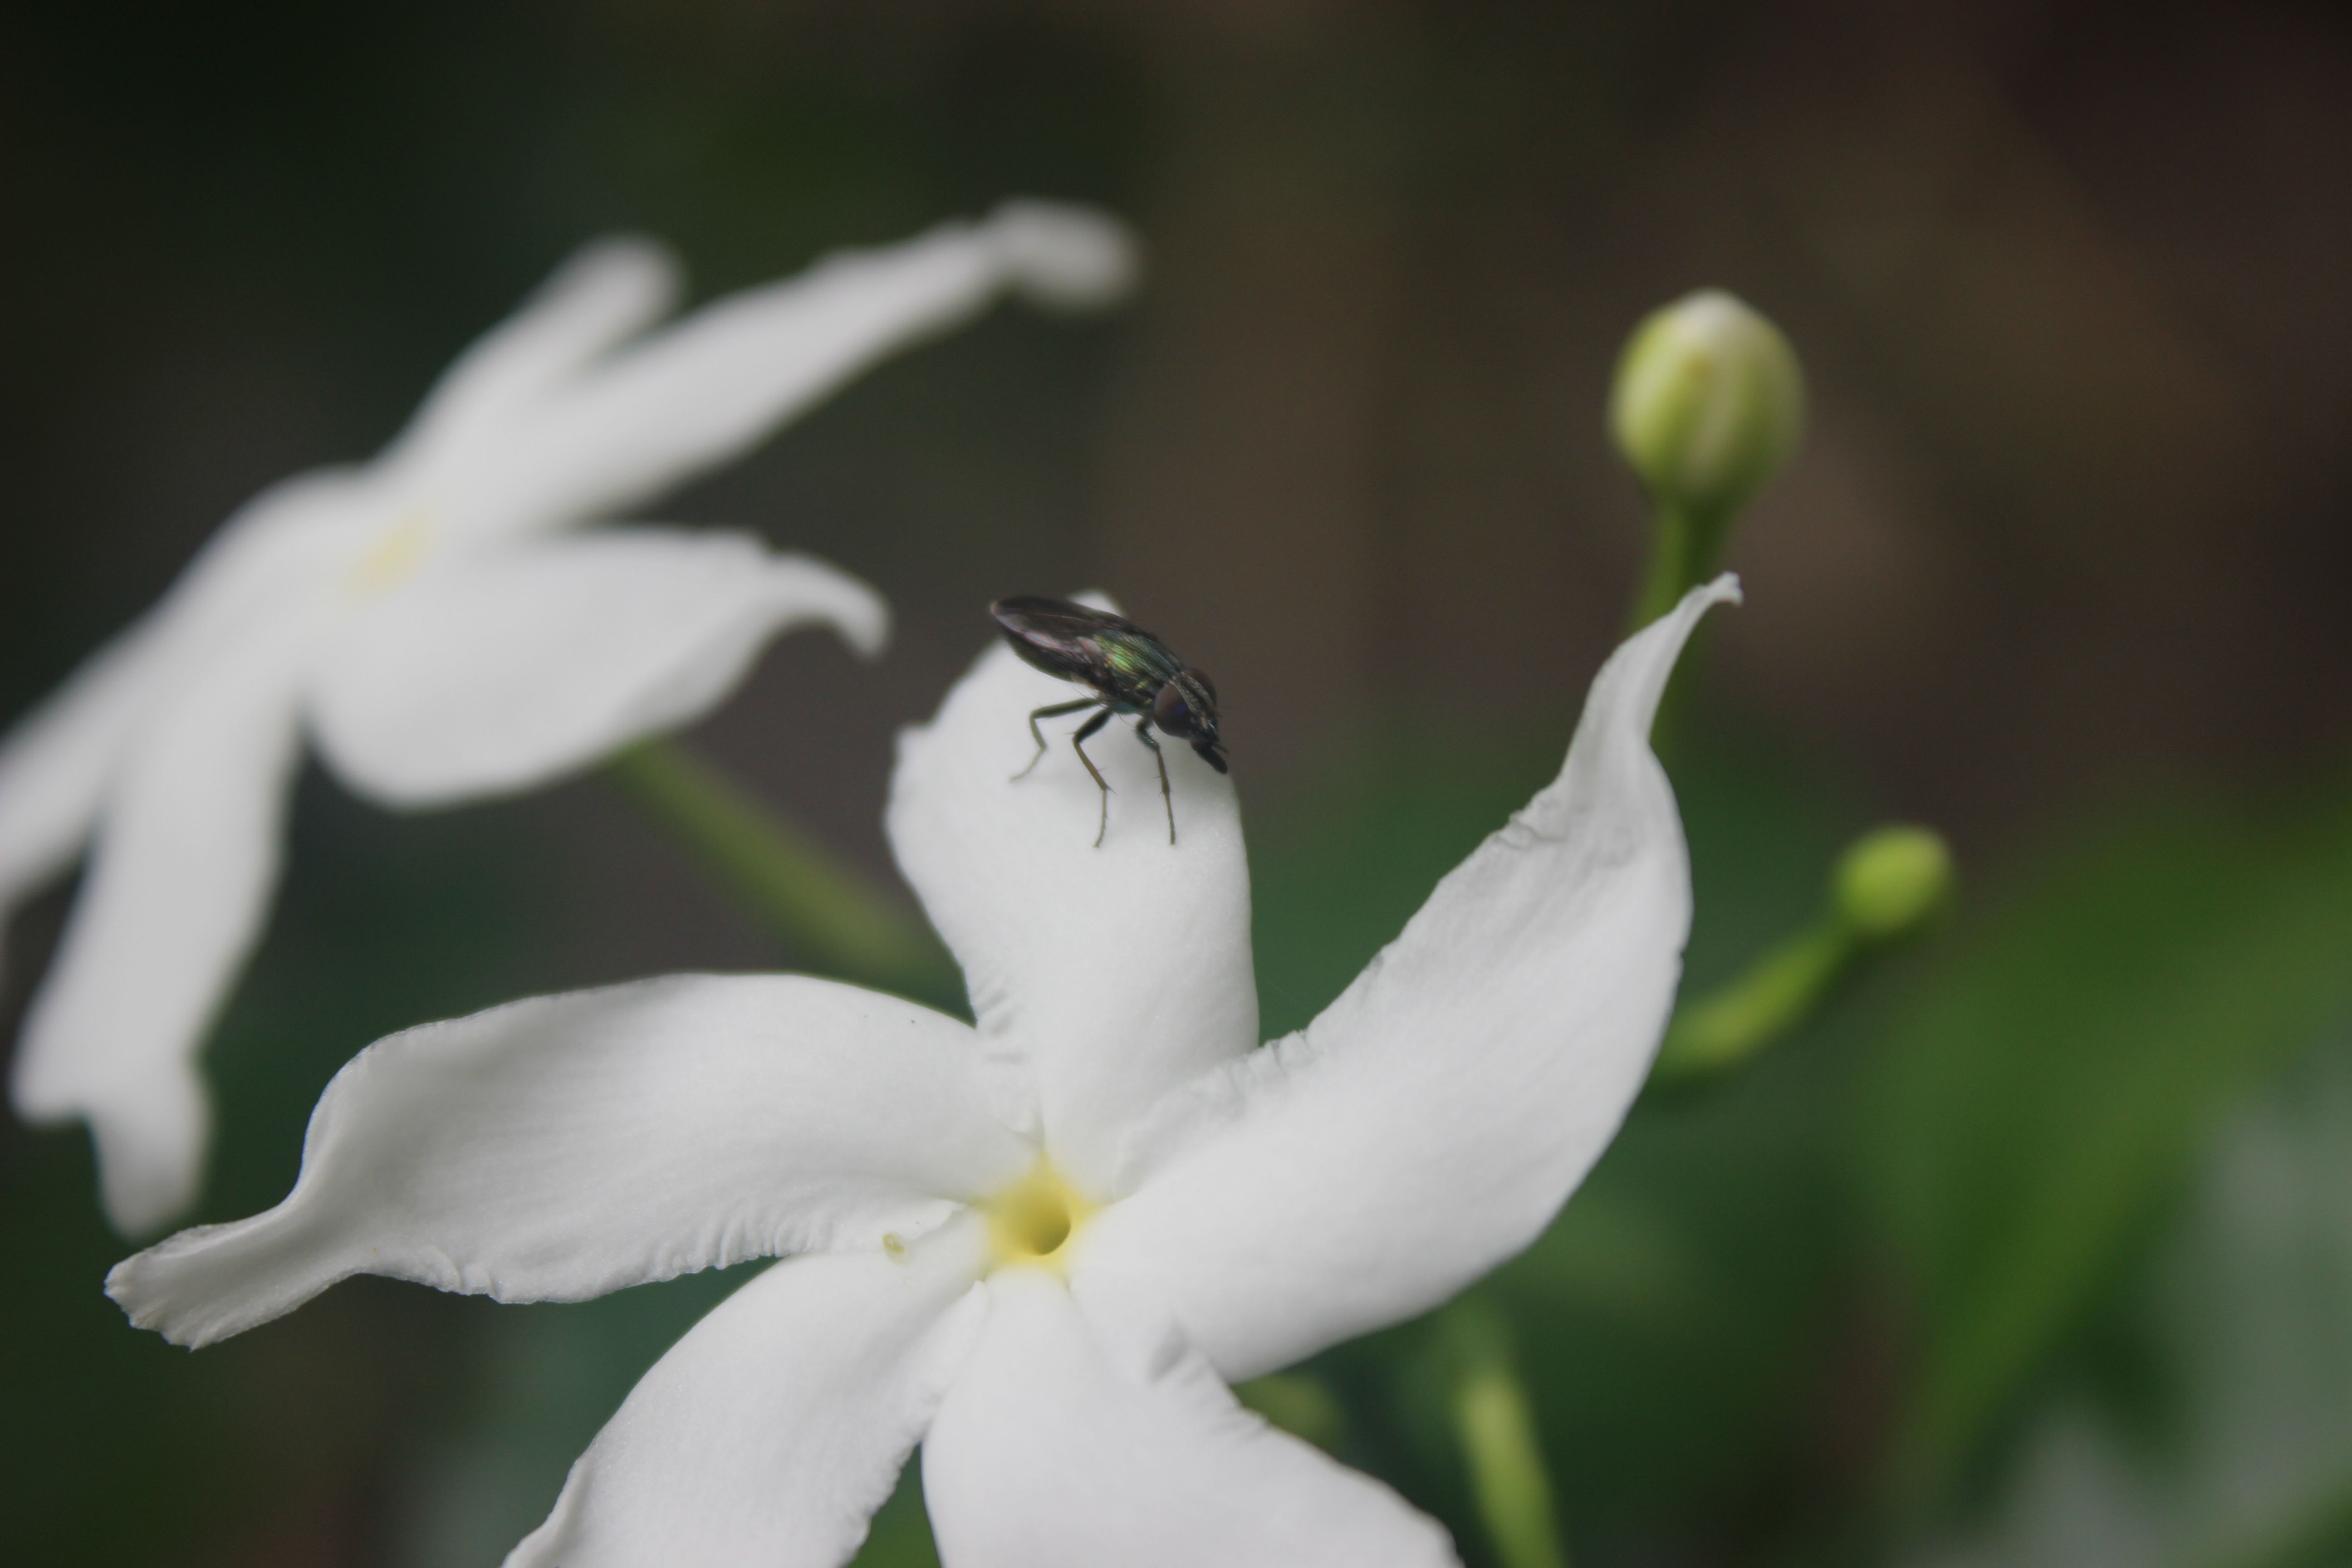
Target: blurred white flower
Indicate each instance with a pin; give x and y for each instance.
(1041, 1248)
(415, 617)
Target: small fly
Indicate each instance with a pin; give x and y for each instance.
(1127, 670)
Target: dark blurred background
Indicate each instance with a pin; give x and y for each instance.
(2061, 569)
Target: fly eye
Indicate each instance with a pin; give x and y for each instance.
(1167, 711)
(1206, 684)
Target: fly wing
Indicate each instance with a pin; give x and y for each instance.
(1059, 625)
(1109, 653)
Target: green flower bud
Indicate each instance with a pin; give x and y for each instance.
(1892, 882)
(1709, 402)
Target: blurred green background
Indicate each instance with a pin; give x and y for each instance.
(2035, 1248)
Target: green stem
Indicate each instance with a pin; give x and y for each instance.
(1889, 886)
(1735, 1022)
(1685, 548)
(1669, 571)
(809, 898)
(1496, 1428)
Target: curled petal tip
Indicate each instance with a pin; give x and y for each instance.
(133, 1285)
(818, 590)
(1065, 257)
(866, 623)
(632, 266)
(122, 1290)
(865, 627)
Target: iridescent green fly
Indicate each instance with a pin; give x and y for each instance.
(1127, 670)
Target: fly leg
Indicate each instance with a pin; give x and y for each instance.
(1077, 745)
(1053, 712)
(1143, 733)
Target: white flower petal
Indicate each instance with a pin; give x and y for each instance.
(55, 764)
(1100, 976)
(1433, 1119)
(605, 293)
(1050, 1453)
(565, 1146)
(1061, 257)
(720, 380)
(185, 858)
(768, 1435)
(58, 762)
(499, 673)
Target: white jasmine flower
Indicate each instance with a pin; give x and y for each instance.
(1040, 1249)
(424, 622)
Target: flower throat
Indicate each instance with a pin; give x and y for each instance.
(1032, 1220)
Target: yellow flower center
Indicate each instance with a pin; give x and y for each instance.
(394, 557)
(1030, 1221)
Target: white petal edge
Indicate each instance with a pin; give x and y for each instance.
(769, 1434)
(563, 1147)
(605, 293)
(1100, 977)
(720, 380)
(1048, 1452)
(1432, 1120)
(185, 862)
(501, 672)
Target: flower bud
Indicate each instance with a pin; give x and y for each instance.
(1709, 402)
(1891, 881)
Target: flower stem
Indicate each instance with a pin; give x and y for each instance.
(1889, 885)
(1496, 1428)
(1684, 544)
(803, 894)
(1735, 1022)
(1685, 547)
